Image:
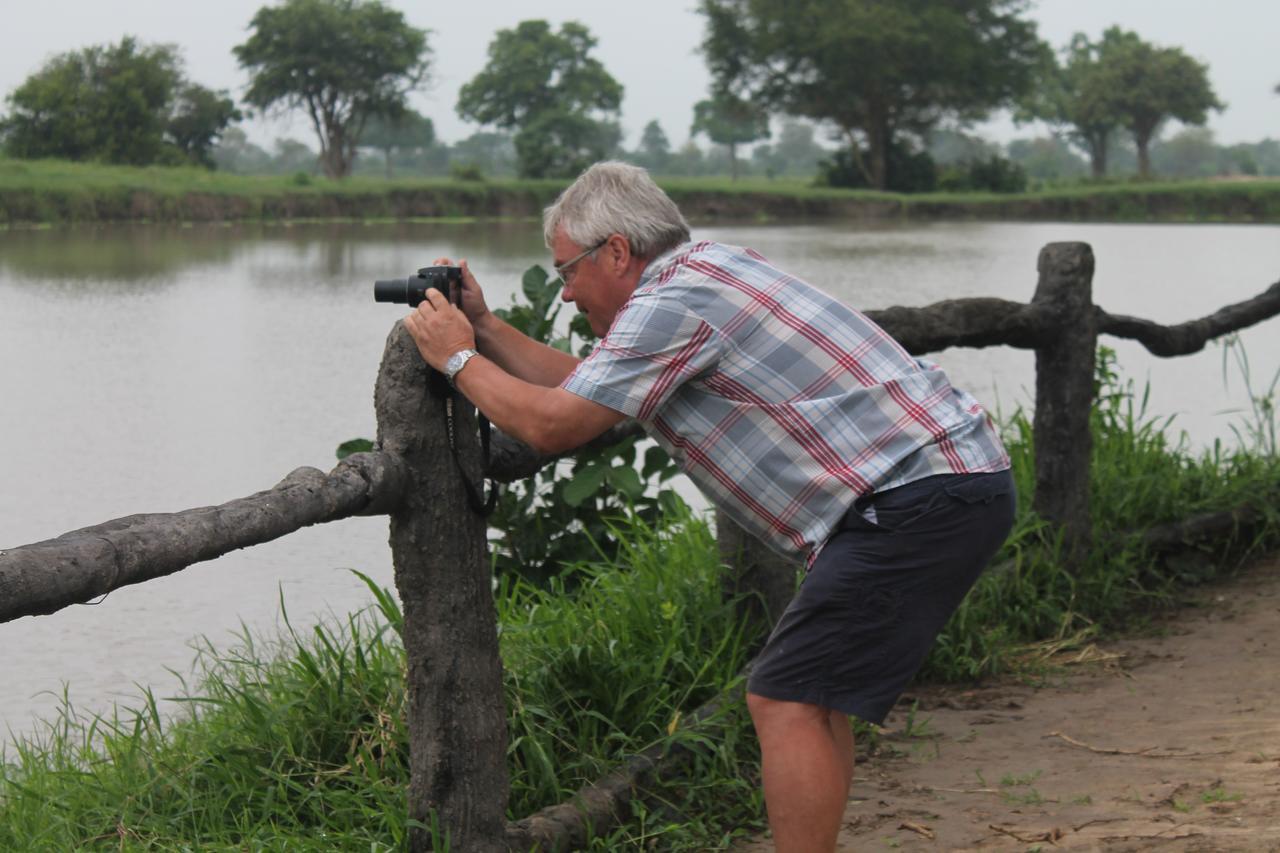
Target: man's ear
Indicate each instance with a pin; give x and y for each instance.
(618, 251)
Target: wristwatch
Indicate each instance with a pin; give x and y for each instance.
(456, 362)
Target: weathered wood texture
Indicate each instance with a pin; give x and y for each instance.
(456, 718)
(1064, 392)
(81, 565)
(1189, 337)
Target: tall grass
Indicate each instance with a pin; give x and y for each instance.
(299, 743)
(1143, 474)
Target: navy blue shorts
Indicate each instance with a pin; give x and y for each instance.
(880, 591)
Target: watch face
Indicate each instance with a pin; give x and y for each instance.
(457, 360)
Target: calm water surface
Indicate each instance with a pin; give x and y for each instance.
(151, 369)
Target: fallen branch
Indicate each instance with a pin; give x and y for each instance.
(1053, 836)
(598, 808)
(1149, 752)
(918, 829)
(84, 564)
(1189, 337)
(1209, 525)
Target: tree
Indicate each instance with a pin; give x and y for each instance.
(1047, 158)
(492, 153)
(1075, 96)
(874, 68)
(1147, 85)
(729, 121)
(199, 117)
(121, 103)
(546, 86)
(795, 153)
(342, 61)
(655, 149)
(407, 130)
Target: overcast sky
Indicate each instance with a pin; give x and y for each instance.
(650, 47)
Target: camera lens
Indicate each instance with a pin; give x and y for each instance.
(391, 290)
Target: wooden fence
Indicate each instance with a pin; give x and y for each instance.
(457, 722)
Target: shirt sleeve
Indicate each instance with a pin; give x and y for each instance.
(654, 346)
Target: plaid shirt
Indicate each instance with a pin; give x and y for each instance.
(781, 403)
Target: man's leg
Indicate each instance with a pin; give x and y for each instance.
(807, 763)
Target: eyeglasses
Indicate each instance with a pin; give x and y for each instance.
(565, 270)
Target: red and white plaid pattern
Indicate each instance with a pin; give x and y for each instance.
(781, 403)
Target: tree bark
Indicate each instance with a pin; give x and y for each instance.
(1064, 393)
(81, 565)
(457, 722)
(1191, 336)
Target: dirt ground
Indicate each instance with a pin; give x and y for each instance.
(1167, 741)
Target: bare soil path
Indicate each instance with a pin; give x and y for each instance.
(1164, 742)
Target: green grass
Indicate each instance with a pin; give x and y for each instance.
(50, 191)
(299, 743)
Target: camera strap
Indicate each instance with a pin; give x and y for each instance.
(483, 506)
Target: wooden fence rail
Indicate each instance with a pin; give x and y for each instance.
(456, 711)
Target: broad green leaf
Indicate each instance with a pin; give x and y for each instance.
(626, 480)
(584, 484)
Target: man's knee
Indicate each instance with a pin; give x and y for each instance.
(769, 713)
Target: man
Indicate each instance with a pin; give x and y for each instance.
(798, 416)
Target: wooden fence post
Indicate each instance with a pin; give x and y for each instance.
(767, 578)
(456, 718)
(1064, 392)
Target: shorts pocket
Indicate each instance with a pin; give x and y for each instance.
(980, 488)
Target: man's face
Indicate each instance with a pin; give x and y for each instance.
(596, 284)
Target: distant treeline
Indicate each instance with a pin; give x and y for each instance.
(797, 153)
(867, 94)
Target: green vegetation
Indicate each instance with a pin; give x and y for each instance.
(544, 85)
(54, 191)
(122, 103)
(881, 72)
(342, 61)
(1120, 81)
(300, 743)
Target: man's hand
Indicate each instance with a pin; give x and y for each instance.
(473, 304)
(440, 329)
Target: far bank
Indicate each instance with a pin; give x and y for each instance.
(54, 192)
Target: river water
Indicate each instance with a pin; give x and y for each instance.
(152, 369)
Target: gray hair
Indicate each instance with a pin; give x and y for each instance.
(617, 198)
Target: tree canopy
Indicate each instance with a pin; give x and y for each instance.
(1075, 96)
(120, 103)
(1148, 85)
(655, 148)
(1119, 81)
(545, 85)
(873, 68)
(730, 121)
(407, 130)
(342, 61)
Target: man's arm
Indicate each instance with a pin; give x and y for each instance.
(514, 352)
(520, 355)
(549, 419)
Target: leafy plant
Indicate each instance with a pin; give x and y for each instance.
(561, 515)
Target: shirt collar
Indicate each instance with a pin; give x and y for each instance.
(656, 266)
